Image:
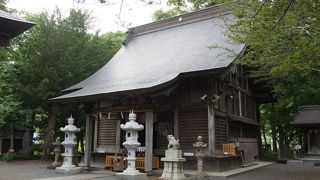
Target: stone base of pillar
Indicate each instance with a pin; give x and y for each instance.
(124, 176)
(200, 176)
(54, 165)
(68, 170)
(86, 168)
(173, 165)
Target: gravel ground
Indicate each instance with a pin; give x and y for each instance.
(25, 170)
(281, 172)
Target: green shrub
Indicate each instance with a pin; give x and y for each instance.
(31, 153)
(7, 156)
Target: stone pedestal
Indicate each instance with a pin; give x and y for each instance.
(139, 176)
(68, 169)
(173, 165)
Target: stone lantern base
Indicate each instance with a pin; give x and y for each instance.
(173, 165)
(124, 176)
(54, 165)
(68, 170)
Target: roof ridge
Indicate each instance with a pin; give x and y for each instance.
(199, 15)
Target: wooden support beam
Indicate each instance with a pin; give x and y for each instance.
(88, 143)
(309, 143)
(176, 123)
(149, 142)
(1, 139)
(211, 130)
(240, 104)
(118, 138)
(95, 137)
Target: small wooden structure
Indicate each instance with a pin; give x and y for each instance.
(308, 120)
(11, 26)
(168, 74)
(22, 139)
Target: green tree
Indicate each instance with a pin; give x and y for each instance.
(3, 5)
(164, 14)
(55, 54)
(283, 43)
(183, 6)
(9, 101)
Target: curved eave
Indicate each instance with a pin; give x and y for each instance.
(12, 26)
(132, 92)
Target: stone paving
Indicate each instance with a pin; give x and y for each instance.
(26, 170)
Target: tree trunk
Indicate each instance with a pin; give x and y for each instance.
(260, 150)
(274, 139)
(48, 139)
(264, 134)
(11, 149)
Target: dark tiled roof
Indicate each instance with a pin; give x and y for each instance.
(159, 52)
(11, 26)
(307, 115)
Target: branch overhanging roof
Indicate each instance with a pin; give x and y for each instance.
(157, 53)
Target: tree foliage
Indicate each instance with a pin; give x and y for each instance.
(53, 55)
(59, 52)
(283, 43)
(9, 101)
(3, 5)
(183, 6)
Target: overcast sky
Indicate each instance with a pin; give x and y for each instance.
(134, 12)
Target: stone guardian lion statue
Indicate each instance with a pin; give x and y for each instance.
(173, 143)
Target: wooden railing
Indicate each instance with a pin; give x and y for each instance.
(229, 148)
(140, 161)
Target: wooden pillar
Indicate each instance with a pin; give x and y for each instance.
(95, 137)
(88, 144)
(309, 142)
(1, 139)
(240, 104)
(211, 130)
(11, 149)
(176, 123)
(118, 138)
(149, 142)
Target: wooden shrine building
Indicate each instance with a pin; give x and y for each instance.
(308, 120)
(169, 74)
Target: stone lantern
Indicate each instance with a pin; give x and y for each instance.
(69, 143)
(57, 154)
(199, 154)
(131, 144)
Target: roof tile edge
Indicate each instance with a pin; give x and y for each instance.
(182, 19)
